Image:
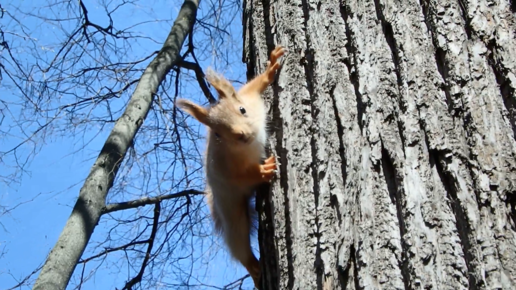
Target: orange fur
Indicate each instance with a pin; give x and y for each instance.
(235, 146)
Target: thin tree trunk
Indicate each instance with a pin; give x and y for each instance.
(86, 213)
(395, 126)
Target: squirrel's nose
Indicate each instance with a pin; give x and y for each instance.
(242, 137)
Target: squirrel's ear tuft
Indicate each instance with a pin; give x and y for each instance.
(222, 85)
(198, 112)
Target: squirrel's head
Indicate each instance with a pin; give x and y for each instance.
(231, 119)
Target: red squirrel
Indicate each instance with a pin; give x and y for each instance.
(235, 146)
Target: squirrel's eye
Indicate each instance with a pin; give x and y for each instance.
(217, 135)
(242, 110)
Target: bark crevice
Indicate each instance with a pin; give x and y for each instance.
(454, 108)
(283, 160)
(391, 41)
(511, 202)
(442, 68)
(249, 24)
(506, 90)
(424, 9)
(464, 11)
(344, 273)
(351, 63)
(309, 68)
(267, 233)
(288, 220)
(439, 160)
(393, 185)
(269, 39)
(342, 152)
(353, 259)
(394, 47)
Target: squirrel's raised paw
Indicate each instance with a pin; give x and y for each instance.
(273, 64)
(270, 160)
(277, 53)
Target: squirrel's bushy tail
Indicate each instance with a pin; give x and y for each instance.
(235, 223)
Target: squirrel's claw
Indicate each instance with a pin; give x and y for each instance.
(270, 160)
(277, 53)
(273, 64)
(268, 170)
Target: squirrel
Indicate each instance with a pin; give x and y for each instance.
(236, 140)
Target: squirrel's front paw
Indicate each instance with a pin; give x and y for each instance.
(277, 53)
(268, 169)
(273, 64)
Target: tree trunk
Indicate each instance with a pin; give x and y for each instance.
(86, 213)
(394, 122)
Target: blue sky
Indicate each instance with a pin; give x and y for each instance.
(60, 158)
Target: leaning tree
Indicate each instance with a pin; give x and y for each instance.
(395, 126)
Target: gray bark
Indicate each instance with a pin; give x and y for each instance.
(86, 213)
(395, 126)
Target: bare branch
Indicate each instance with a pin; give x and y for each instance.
(147, 201)
(88, 209)
(111, 250)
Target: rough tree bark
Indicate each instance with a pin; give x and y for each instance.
(86, 213)
(395, 126)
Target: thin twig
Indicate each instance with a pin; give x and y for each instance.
(199, 74)
(138, 278)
